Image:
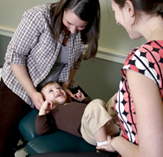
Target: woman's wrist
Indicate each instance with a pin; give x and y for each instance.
(66, 84)
(32, 92)
(114, 142)
(117, 142)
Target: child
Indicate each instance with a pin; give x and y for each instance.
(87, 119)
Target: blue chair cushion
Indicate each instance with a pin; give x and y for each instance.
(58, 141)
(82, 154)
(27, 125)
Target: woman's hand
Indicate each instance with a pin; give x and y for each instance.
(65, 86)
(107, 147)
(37, 99)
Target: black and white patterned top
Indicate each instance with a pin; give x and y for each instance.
(33, 45)
(148, 61)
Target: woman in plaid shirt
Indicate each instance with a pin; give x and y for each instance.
(47, 45)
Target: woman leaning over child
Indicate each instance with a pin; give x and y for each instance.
(47, 46)
(139, 101)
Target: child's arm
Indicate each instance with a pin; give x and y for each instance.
(79, 96)
(45, 108)
(43, 123)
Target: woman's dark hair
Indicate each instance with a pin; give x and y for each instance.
(86, 10)
(147, 6)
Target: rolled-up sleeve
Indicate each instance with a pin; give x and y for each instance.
(24, 38)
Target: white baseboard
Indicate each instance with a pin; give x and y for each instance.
(103, 53)
(8, 32)
(111, 55)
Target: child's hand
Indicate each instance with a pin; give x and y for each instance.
(46, 107)
(79, 96)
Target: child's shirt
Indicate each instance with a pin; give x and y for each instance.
(65, 117)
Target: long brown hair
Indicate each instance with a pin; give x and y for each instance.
(147, 6)
(86, 10)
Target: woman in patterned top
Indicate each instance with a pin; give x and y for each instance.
(139, 101)
(47, 46)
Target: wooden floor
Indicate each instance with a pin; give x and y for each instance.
(21, 153)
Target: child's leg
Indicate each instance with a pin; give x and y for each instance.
(113, 127)
(93, 122)
(101, 136)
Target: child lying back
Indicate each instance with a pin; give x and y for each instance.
(85, 118)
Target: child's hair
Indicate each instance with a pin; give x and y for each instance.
(86, 10)
(147, 6)
(41, 89)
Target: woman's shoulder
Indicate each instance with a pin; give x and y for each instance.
(39, 10)
(152, 45)
(151, 50)
(148, 47)
(38, 15)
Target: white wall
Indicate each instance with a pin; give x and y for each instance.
(113, 38)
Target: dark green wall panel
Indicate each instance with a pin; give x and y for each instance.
(99, 78)
(3, 45)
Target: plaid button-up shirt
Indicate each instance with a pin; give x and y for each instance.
(33, 45)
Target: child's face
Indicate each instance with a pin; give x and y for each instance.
(55, 94)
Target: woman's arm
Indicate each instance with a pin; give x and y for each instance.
(149, 113)
(149, 116)
(22, 76)
(65, 85)
(24, 39)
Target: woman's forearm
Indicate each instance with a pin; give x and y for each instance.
(66, 84)
(124, 147)
(22, 76)
(72, 74)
